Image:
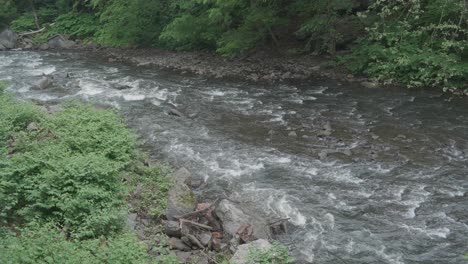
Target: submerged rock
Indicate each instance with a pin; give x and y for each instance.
(181, 198)
(242, 254)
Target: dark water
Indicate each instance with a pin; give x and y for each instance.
(390, 186)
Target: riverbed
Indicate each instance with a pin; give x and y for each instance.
(365, 175)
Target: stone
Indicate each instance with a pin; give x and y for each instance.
(172, 228)
(43, 83)
(182, 256)
(44, 46)
(292, 134)
(176, 243)
(198, 258)
(61, 42)
(233, 217)
(8, 39)
(242, 254)
(181, 198)
(2, 47)
(371, 85)
(204, 238)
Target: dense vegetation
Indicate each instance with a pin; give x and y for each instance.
(64, 182)
(419, 43)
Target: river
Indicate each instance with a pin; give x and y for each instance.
(367, 176)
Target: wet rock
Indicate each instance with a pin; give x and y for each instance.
(292, 134)
(43, 83)
(371, 85)
(60, 42)
(172, 228)
(326, 130)
(52, 109)
(176, 243)
(8, 39)
(181, 198)
(233, 217)
(242, 254)
(172, 110)
(2, 47)
(44, 46)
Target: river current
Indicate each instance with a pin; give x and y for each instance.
(365, 175)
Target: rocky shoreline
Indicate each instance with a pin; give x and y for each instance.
(205, 232)
(259, 67)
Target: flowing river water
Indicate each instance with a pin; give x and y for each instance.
(368, 176)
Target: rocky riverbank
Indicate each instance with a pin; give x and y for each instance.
(204, 232)
(260, 67)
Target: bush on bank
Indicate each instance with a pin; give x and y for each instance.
(63, 186)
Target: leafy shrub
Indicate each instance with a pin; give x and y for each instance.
(73, 24)
(132, 23)
(277, 254)
(26, 21)
(419, 44)
(68, 171)
(45, 244)
(7, 12)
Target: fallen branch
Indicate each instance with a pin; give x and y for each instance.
(192, 214)
(33, 32)
(182, 221)
(195, 241)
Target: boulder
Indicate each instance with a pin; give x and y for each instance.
(176, 243)
(8, 39)
(60, 42)
(233, 218)
(44, 46)
(172, 228)
(2, 47)
(43, 83)
(181, 198)
(370, 85)
(242, 254)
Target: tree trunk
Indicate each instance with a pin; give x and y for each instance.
(36, 19)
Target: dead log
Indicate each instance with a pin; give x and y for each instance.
(182, 221)
(198, 212)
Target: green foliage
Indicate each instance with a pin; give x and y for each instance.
(26, 21)
(131, 23)
(23, 23)
(277, 254)
(7, 11)
(46, 244)
(68, 171)
(62, 186)
(75, 25)
(320, 25)
(150, 188)
(419, 44)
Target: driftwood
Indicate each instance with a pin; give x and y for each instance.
(33, 32)
(182, 221)
(195, 241)
(192, 214)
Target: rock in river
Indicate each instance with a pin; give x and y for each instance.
(233, 218)
(181, 198)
